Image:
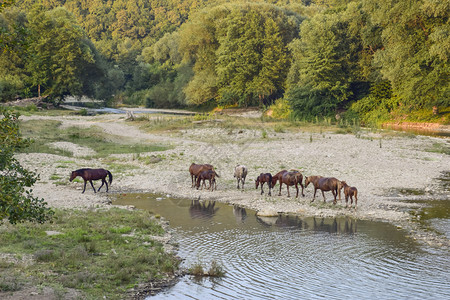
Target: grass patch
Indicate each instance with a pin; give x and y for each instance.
(215, 270)
(101, 253)
(439, 148)
(44, 132)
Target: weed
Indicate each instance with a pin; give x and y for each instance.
(264, 134)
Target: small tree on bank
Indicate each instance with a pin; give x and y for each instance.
(17, 204)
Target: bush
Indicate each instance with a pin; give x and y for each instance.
(308, 103)
(281, 109)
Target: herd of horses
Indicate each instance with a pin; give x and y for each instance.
(202, 172)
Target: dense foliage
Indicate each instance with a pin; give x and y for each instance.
(322, 56)
(17, 203)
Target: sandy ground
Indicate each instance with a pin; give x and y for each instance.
(382, 166)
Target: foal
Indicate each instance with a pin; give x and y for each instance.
(350, 191)
(209, 175)
(263, 178)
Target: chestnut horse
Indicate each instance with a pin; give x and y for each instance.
(92, 174)
(313, 180)
(276, 177)
(195, 170)
(240, 172)
(209, 175)
(325, 184)
(350, 191)
(263, 178)
(289, 179)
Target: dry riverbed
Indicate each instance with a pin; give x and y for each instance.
(385, 167)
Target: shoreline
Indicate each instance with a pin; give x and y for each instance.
(380, 166)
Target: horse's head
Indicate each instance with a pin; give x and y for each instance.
(307, 181)
(256, 182)
(72, 176)
(343, 184)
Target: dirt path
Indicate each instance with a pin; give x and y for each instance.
(379, 166)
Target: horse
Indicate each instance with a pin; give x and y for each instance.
(240, 172)
(209, 175)
(92, 174)
(276, 177)
(196, 169)
(313, 180)
(326, 184)
(291, 178)
(350, 191)
(263, 178)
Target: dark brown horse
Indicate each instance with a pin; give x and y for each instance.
(293, 178)
(209, 175)
(263, 178)
(326, 184)
(196, 169)
(350, 191)
(92, 174)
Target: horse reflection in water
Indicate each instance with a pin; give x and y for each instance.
(200, 210)
(239, 213)
(335, 225)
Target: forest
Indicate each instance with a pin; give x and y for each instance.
(307, 59)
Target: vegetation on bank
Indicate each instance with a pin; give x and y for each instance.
(346, 57)
(101, 253)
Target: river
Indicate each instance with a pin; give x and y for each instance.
(291, 257)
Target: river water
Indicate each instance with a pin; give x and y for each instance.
(289, 257)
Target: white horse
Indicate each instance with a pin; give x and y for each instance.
(240, 172)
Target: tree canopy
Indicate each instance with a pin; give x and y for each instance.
(332, 54)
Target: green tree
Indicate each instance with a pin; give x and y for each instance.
(416, 54)
(17, 204)
(59, 53)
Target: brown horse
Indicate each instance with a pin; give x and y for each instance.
(209, 175)
(313, 180)
(263, 178)
(195, 170)
(276, 177)
(350, 191)
(289, 179)
(92, 174)
(326, 184)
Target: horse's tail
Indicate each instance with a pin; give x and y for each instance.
(110, 176)
(216, 174)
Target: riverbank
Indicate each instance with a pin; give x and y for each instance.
(385, 166)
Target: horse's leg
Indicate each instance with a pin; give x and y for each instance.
(323, 194)
(238, 180)
(287, 186)
(281, 183)
(314, 198)
(301, 184)
(262, 191)
(103, 182)
(92, 186)
(334, 194)
(296, 186)
(243, 182)
(84, 187)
